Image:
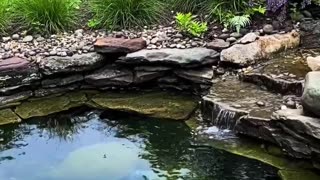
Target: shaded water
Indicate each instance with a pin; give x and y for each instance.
(87, 146)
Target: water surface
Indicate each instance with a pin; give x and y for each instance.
(91, 146)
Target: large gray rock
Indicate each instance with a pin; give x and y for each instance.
(77, 63)
(16, 71)
(261, 49)
(311, 93)
(178, 57)
(149, 73)
(110, 76)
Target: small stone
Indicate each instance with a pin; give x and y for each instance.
(32, 53)
(6, 39)
(291, 104)
(220, 71)
(27, 39)
(40, 39)
(63, 54)
(224, 36)
(236, 35)
(261, 103)
(176, 40)
(231, 39)
(268, 29)
(53, 53)
(178, 35)
(173, 45)
(154, 40)
(15, 37)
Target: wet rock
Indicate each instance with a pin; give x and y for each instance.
(156, 105)
(43, 107)
(314, 63)
(311, 93)
(218, 44)
(51, 83)
(7, 116)
(246, 54)
(148, 73)
(110, 76)
(51, 91)
(76, 63)
(268, 29)
(119, 45)
(248, 38)
(179, 57)
(202, 76)
(17, 71)
(5, 100)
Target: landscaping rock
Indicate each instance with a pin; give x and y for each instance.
(51, 83)
(314, 63)
(76, 63)
(119, 45)
(156, 105)
(201, 76)
(7, 116)
(17, 71)
(27, 39)
(178, 57)
(44, 107)
(246, 54)
(5, 100)
(148, 73)
(110, 76)
(311, 94)
(248, 38)
(268, 29)
(218, 44)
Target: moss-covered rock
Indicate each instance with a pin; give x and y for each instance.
(298, 175)
(160, 105)
(43, 107)
(7, 116)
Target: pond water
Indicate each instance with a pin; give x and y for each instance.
(94, 146)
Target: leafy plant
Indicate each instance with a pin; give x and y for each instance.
(125, 13)
(187, 6)
(187, 24)
(4, 15)
(239, 22)
(49, 15)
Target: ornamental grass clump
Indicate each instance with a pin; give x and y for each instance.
(4, 15)
(125, 14)
(48, 16)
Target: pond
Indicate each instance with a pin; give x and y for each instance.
(94, 145)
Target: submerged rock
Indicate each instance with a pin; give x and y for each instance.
(155, 105)
(178, 57)
(261, 49)
(46, 106)
(311, 93)
(7, 116)
(119, 45)
(17, 71)
(76, 63)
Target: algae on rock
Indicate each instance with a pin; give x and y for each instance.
(7, 116)
(43, 107)
(156, 105)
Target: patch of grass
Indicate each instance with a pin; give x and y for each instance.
(4, 15)
(125, 14)
(186, 6)
(50, 16)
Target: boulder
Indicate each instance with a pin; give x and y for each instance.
(119, 45)
(110, 76)
(261, 49)
(7, 116)
(314, 63)
(17, 71)
(76, 63)
(218, 44)
(311, 93)
(177, 57)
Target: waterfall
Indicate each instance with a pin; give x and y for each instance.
(219, 114)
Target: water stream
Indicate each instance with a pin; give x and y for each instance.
(91, 145)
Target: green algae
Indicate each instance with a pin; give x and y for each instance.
(44, 107)
(298, 175)
(7, 116)
(160, 105)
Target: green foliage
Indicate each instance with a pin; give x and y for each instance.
(187, 24)
(239, 22)
(187, 6)
(4, 15)
(125, 14)
(50, 16)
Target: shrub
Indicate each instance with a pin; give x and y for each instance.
(187, 24)
(239, 22)
(115, 14)
(187, 6)
(4, 15)
(50, 16)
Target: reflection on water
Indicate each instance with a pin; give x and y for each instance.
(87, 146)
